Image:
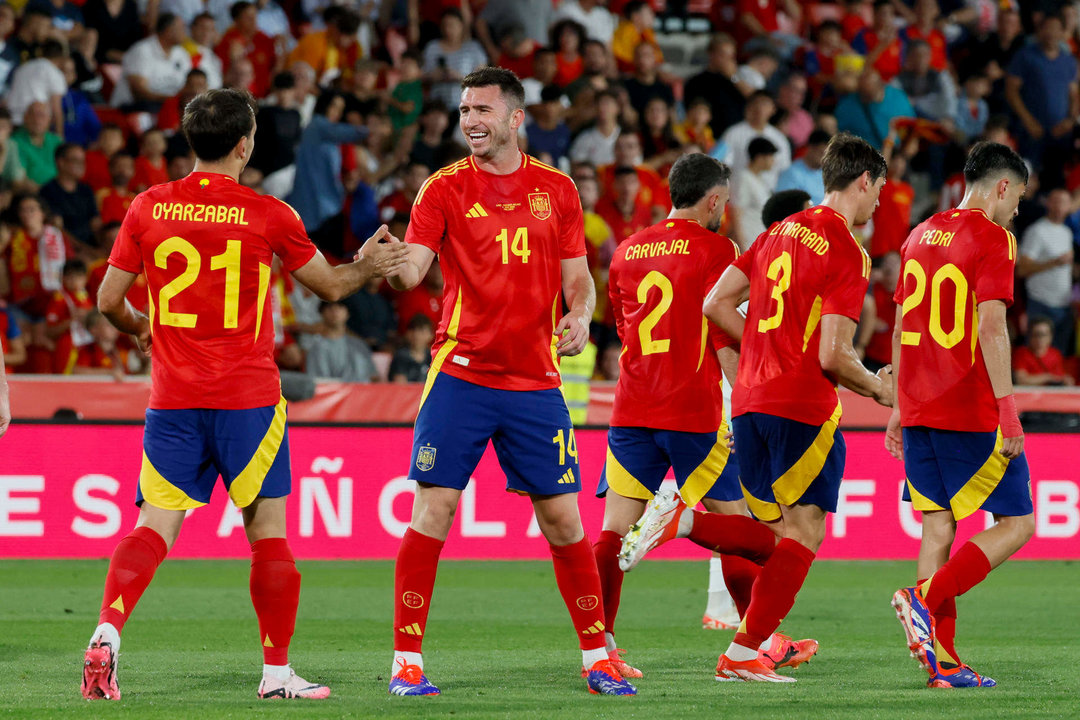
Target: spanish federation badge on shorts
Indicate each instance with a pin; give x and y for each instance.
(425, 458)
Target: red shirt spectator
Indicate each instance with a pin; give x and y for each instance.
(880, 43)
(939, 56)
(879, 349)
(1051, 363)
(244, 39)
(421, 300)
(892, 219)
(624, 225)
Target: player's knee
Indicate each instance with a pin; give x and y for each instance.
(809, 536)
(1022, 527)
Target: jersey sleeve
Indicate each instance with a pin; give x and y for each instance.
(125, 253)
(616, 301)
(572, 225)
(848, 278)
(745, 262)
(427, 221)
(287, 236)
(994, 267)
(718, 263)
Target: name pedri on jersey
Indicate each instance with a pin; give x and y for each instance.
(669, 375)
(500, 241)
(206, 245)
(950, 263)
(804, 268)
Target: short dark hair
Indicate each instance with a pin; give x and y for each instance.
(633, 7)
(75, 266)
(760, 146)
(216, 120)
(196, 72)
(847, 157)
(163, 22)
(783, 204)
(52, 49)
(63, 149)
(283, 80)
(1039, 320)
(624, 170)
(692, 176)
(818, 137)
(347, 21)
(434, 105)
(238, 7)
(988, 160)
(508, 83)
(418, 321)
(325, 99)
(760, 94)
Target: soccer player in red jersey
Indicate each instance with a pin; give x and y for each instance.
(658, 281)
(207, 244)
(955, 424)
(508, 231)
(805, 281)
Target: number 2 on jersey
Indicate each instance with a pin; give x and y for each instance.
(654, 279)
(780, 273)
(947, 272)
(519, 247)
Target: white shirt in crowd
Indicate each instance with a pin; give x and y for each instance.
(1046, 240)
(165, 73)
(593, 147)
(34, 81)
(599, 22)
(750, 193)
(737, 139)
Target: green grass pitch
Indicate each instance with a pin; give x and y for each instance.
(500, 645)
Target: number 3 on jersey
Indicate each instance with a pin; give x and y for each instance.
(780, 273)
(519, 247)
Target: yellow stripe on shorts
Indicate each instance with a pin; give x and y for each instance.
(245, 487)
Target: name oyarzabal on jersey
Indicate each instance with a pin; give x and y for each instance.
(208, 281)
(502, 239)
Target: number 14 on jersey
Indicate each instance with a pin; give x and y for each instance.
(519, 246)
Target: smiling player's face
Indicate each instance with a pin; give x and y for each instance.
(489, 126)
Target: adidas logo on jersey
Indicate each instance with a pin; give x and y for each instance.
(476, 211)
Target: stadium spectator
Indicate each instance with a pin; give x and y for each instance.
(877, 351)
(407, 97)
(371, 316)
(805, 173)
(36, 145)
(103, 355)
(717, 86)
(9, 55)
(65, 316)
(659, 144)
(118, 26)
(155, 68)
(12, 342)
(173, 108)
(931, 92)
(534, 17)
(200, 46)
(759, 20)
(1042, 91)
(994, 54)
(623, 214)
(150, 166)
(596, 145)
(597, 20)
(113, 201)
(790, 99)
(819, 61)
(880, 42)
(11, 168)
(34, 29)
(362, 97)
(515, 51)
(759, 108)
(758, 70)
(696, 129)
(925, 28)
(40, 80)
(892, 219)
(333, 51)
(81, 123)
(1046, 262)
(548, 133)
(545, 69)
(868, 113)
(430, 147)
(599, 246)
(110, 141)
(752, 189)
(35, 258)
(645, 83)
(628, 152)
(1039, 362)
(972, 111)
(334, 352)
(395, 207)
(635, 28)
(318, 193)
(70, 198)
(568, 41)
(451, 57)
(277, 135)
(244, 39)
(598, 64)
(411, 362)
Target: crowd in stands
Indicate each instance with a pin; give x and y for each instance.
(358, 107)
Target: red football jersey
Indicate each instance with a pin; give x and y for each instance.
(500, 240)
(951, 262)
(207, 245)
(669, 377)
(806, 267)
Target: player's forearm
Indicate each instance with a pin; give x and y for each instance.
(729, 362)
(724, 313)
(580, 294)
(407, 278)
(896, 338)
(126, 318)
(996, 352)
(849, 371)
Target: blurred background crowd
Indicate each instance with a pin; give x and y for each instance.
(358, 107)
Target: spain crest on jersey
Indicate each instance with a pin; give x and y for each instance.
(540, 205)
(425, 458)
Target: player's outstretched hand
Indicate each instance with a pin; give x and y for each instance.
(894, 436)
(384, 259)
(573, 333)
(884, 395)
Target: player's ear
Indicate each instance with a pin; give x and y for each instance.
(1002, 187)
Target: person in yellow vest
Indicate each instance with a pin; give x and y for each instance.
(577, 373)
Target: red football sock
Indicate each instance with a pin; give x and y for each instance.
(739, 576)
(733, 535)
(131, 569)
(414, 581)
(606, 551)
(774, 593)
(275, 593)
(967, 568)
(579, 583)
(945, 626)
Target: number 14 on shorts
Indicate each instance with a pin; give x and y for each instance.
(567, 445)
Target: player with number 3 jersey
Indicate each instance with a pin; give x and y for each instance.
(955, 423)
(206, 244)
